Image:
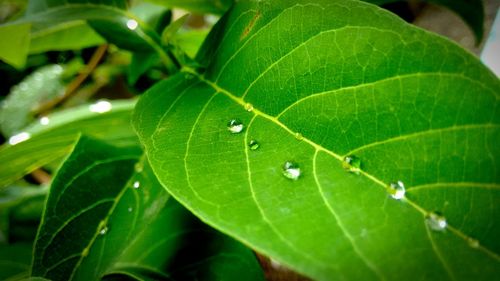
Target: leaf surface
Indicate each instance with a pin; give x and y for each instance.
(198, 6)
(314, 82)
(107, 215)
(52, 141)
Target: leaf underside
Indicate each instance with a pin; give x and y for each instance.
(327, 79)
(106, 215)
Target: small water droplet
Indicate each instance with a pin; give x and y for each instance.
(44, 120)
(397, 190)
(473, 243)
(136, 184)
(104, 230)
(235, 126)
(299, 136)
(291, 170)
(101, 106)
(139, 167)
(85, 252)
(132, 24)
(249, 107)
(15, 139)
(436, 221)
(253, 145)
(130, 209)
(352, 164)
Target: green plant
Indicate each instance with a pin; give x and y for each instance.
(328, 135)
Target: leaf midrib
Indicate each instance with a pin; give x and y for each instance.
(490, 253)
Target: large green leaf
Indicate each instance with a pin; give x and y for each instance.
(106, 215)
(313, 82)
(53, 136)
(15, 261)
(471, 11)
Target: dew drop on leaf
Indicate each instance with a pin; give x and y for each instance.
(85, 252)
(103, 230)
(397, 190)
(44, 121)
(235, 126)
(253, 145)
(101, 106)
(436, 221)
(473, 243)
(130, 209)
(352, 164)
(299, 136)
(291, 170)
(15, 139)
(249, 107)
(136, 184)
(132, 24)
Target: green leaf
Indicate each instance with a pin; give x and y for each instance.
(107, 215)
(53, 137)
(14, 50)
(313, 82)
(20, 212)
(198, 6)
(15, 261)
(72, 35)
(20, 106)
(471, 11)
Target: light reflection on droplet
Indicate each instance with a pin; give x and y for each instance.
(132, 24)
(15, 139)
(436, 221)
(136, 184)
(100, 106)
(44, 120)
(291, 170)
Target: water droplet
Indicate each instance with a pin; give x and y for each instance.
(136, 184)
(299, 136)
(101, 106)
(235, 126)
(473, 243)
(15, 139)
(132, 24)
(139, 167)
(352, 164)
(397, 190)
(103, 230)
(130, 209)
(85, 252)
(44, 120)
(436, 221)
(275, 264)
(291, 170)
(249, 107)
(253, 145)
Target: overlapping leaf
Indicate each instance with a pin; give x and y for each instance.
(53, 137)
(314, 81)
(108, 217)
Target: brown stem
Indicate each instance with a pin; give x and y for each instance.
(41, 176)
(77, 82)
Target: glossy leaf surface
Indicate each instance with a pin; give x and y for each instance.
(53, 137)
(313, 82)
(107, 215)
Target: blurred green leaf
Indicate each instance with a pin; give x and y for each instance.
(141, 62)
(14, 50)
(107, 215)
(197, 6)
(15, 261)
(20, 209)
(53, 137)
(19, 108)
(72, 35)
